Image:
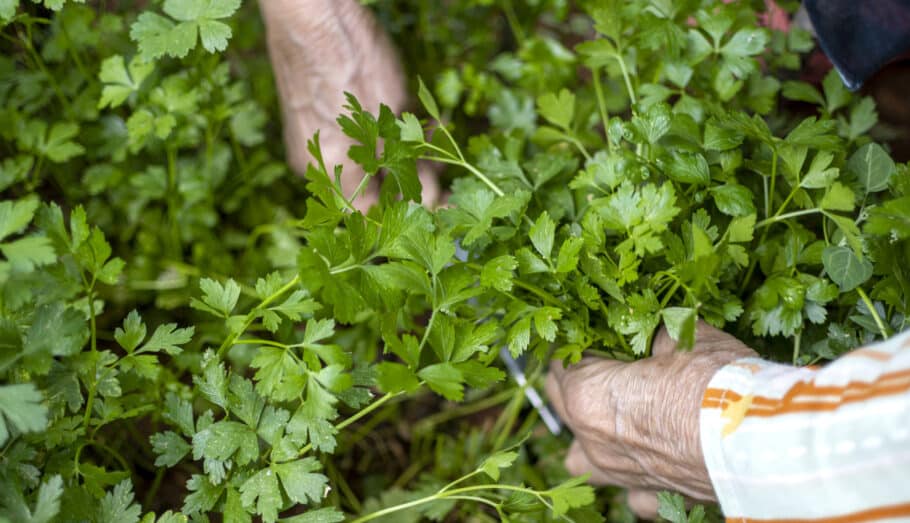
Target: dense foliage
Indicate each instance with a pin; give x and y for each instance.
(188, 331)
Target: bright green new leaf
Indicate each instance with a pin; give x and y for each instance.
(558, 109)
(500, 460)
(542, 234)
(426, 98)
(395, 377)
(680, 322)
(119, 81)
(217, 299)
(132, 333)
(838, 198)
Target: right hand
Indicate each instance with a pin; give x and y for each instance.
(636, 425)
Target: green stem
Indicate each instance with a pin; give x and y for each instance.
(86, 420)
(670, 293)
(878, 321)
(625, 76)
(602, 106)
(156, 484)
(359, 415)
(251, 316)
(782, 217)
(514, 24)
(464, 410)
(797, 339)
(769, 196)
(259, 341)
(471, 169)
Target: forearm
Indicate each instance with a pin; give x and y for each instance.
(836, 437)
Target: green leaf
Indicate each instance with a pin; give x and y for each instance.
(444, 379)
(733, 199)
(838, 198)
(672, 507)
(395, 377)
(571, 494)
(836, 93)
(500, 460)
(167, 338)
(261, 493)
(498, 273)
(217, 299)
(300, 480)
(8, 9)
(22, 409)
(170, 448)
(322, 515)
(891, 219)
(689, 168)
(845, 268)
(741, 229)
(567, 260)
(872, 167)
(133, 332)
(411, 130)
(542, 234)
(25, 254)
(558, 109)
(426, 98)
(680, 322)
(120, 82)
(16, 215)
(118, 506)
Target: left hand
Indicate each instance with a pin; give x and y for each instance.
(320, 49)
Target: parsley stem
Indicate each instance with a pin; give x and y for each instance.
(797, 338)
(769, 194)
(514, 24)
(782, 217)
(359, 415)
(602, 105)
(251, 316)
(470, 168)
(878, 320)
(625, 76)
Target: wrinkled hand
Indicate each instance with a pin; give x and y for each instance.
(319, 49)
(636, 424)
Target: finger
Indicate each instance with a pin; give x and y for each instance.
(643, 503)
(578, 464)
(554, 393)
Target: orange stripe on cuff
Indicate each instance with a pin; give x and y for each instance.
(806, 396)
(888, 512)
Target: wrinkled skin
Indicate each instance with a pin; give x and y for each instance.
(636, 424)
(319, 49)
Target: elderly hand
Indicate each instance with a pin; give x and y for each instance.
(636, 424)
(320, 49)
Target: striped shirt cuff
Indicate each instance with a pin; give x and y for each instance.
(806, 444)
